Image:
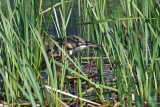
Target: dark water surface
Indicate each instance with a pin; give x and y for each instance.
(73, 18)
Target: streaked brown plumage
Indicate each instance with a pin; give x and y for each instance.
(73, 44)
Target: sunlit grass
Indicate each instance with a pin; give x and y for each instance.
(130, 40)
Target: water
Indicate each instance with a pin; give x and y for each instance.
(110, 4)
(73, 18)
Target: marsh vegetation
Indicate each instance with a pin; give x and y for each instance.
(124, 72)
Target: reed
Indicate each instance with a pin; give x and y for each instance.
(129, 34)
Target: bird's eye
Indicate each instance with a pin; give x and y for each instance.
(75, 40)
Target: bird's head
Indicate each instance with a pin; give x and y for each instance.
(75, 44)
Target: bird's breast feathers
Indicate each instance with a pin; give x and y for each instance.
(79, 48)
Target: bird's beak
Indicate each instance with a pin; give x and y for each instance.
(90, 44)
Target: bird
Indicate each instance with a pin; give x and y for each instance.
(72, 43)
